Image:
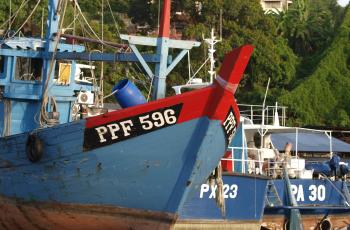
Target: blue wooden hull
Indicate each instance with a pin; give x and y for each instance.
(317, 200)
(244, 202)
(313, 197)
(153, 172)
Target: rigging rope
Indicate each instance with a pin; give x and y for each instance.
(44, 119)
(100, 92)
(89, 26)
(198, 70)
(115, 21)
(25, 22)
(13, 17)
(219, 193)
(7, 118)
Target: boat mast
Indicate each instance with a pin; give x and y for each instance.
(158, 83)
(212, 42)
(164, 63)
(48, 63)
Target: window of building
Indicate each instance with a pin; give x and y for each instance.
(273, 5)
(28, 69)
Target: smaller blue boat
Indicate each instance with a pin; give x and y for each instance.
(272, 185)
(307, 168)
(234, 201)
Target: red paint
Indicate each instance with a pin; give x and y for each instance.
(227, 164)
(213, 101)
(164, 29)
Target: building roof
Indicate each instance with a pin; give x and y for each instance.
(309, 142)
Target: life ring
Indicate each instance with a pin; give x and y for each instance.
(34, 148)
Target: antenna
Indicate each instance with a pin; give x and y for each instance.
(262, 133)
(267, 89)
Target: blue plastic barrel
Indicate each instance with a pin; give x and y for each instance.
(128, 94)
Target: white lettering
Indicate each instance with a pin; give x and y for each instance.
(146, 124)
(158, 119)
(113, 128)
(294, 189)
(213, 190)
(204, 189)
(321, 192)
(230, 122)
(226, 189)
(317, 192)
(234, 190)
(126, 126)
(169, 118)
(313, 193)
(300, 195)
(101, 131)
(229, 191)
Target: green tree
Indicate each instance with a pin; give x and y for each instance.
(246, 23)
(323, 97)
(309, 25)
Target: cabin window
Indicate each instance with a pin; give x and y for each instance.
(28, 69)
(2, 64)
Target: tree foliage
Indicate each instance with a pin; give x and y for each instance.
(309, 25)
(298, 50)
(323, 98)
(246, 23)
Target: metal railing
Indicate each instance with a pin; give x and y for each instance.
(268, 167)
(259, 115)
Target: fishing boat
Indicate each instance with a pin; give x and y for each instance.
(303, 192)
(231, 198)
(267, 184)
(65, 164)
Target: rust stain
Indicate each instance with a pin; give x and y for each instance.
(5, 164)
(37, 215)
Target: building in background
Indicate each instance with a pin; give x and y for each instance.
(275, 5)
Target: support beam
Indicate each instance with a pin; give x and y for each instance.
(108, 57)
(148, 41)
(142, 61)
(105, 57)
(84, 39)
(176, 61)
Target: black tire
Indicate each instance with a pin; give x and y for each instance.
(326, 225)
(34, 148)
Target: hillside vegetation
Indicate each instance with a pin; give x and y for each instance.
(304, 51)
(323, 98)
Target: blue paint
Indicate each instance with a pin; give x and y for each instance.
(141, 172)
(2, 117)
(158, 82)
(310, 194)
(240, 153)
(247, 205)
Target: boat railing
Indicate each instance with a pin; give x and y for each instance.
(240, 162)
(260, 115)
(257, 162)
